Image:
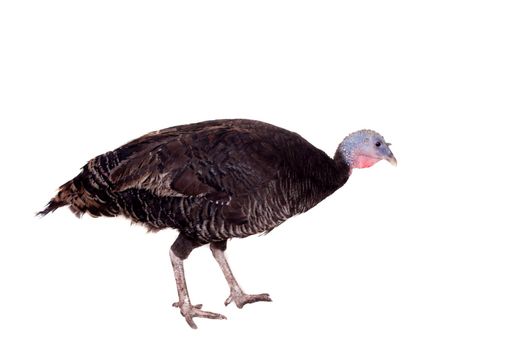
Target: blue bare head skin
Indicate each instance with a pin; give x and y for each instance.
(364, 148)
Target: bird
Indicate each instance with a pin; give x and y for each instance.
(213, 181)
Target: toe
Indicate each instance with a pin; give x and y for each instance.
(265, 297)
(207, 314)
(190, 321)
(228, 300)
(252, 298)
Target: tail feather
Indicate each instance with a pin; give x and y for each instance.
(62, 198)
(51, 207)
(83, 194)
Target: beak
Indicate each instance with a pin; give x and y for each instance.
(391, 159)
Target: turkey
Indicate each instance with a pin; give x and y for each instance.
(213, 181)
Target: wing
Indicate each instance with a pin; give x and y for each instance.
(215, 162)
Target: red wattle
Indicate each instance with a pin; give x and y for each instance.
(364, 162)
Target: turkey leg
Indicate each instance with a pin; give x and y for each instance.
(186, 308)
(236, 294)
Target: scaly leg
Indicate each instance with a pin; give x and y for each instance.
(236, 294)
(186, 308)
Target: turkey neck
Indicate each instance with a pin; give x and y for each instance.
(316, 179)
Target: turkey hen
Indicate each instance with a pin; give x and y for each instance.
(213, 181)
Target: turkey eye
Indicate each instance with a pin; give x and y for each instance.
(378, 144)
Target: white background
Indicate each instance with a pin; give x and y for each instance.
(428, 255)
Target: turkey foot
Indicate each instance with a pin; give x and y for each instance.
(240, 298)
(190, 311)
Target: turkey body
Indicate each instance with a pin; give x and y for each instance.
(212, 180)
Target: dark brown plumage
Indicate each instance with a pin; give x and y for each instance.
(212, 181)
